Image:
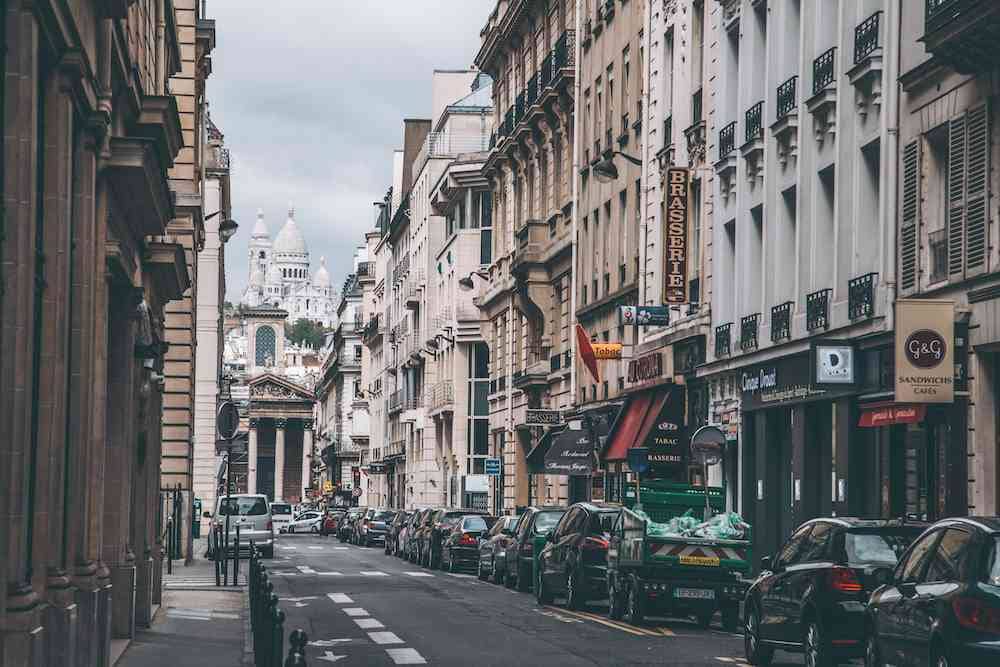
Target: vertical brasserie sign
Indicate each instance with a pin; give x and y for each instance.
(675, 236)
(925, 351)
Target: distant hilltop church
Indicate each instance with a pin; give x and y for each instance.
(280, 276)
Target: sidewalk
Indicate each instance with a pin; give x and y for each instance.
(197, 624)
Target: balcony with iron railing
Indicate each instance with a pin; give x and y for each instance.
(753, 146)
(781, 322)
(818, 310)
(727, 140)
(723, 340)
(861, 296)
(395, 402)
(531, 93)
(366, 270)
(867, 37)
(749, 329)
(787, 97)
(442, 396)
(449, 145)
(963, 33)
(824, 70)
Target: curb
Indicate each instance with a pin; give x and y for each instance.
(248, 660)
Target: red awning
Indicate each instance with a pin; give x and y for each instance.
(889, 414)
(634, 424)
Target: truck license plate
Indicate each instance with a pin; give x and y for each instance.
(709, 561)
(694, 593)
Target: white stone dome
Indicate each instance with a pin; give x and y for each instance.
(321, 278)
(259, 228)
(289, 240)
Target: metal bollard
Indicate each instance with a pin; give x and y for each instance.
(236, 558)
(214, 536)
(170, 546)
(297, 649)
(278, 628)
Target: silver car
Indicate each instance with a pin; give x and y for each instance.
(252, 513)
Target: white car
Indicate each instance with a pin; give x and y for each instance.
(281, 515)
(307, 522)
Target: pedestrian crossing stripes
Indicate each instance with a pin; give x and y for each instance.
(418, 574)
(405, 656)
(368, 623)
(385, 638)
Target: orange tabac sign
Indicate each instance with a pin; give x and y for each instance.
(607, 350)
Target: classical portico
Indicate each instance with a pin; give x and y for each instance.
(280, 442)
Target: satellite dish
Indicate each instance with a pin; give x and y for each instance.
(707, 444)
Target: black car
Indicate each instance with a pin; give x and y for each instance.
(392, 538)
(574, 561)
(494, 547)
(461, 545)
(411, 545)
(518, 565)
(345, 527)
(811, 596)
(374, 526)
(942, 605)
(437, 526)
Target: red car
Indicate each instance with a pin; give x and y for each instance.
(330, 522)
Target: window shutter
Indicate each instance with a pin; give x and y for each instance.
(956, 197)
(977, 190)
(909, 230)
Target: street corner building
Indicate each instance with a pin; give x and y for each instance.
(102, 224)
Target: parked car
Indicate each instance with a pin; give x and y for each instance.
(442, 522)
(811, 596)
(252, 513)
(374, 526)
(460, 546)
(345, 527)
(306, 522)
(396, 527)
(574, 561)
(330, 521)
(281, 515)
(942, 604)
(494, 546)
(411, 545)
(519, 563)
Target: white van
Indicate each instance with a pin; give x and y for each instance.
(252, 513)
(281, 516)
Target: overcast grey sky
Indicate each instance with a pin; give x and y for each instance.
(311, 95)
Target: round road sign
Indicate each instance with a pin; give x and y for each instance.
(227, 420)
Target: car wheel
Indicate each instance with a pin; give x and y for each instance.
(574, 594)
(542, 593)
(451, 561)
(872, 658)
(756, 654)
(479, 570)
(615, 611)
(816, 652)
(635, 612)
(499, 576)
(315, 529)
(290, 530)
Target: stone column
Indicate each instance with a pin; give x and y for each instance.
(252, 456)
(279, 459)
(307, 449)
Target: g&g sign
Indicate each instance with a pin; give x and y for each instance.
(925, 367)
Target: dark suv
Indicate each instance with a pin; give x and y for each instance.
(574, 561)
(942, 606)
(529, 540)
(811, 597)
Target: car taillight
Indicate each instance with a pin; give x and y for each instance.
(467, 540)
(270, 526)
(976, 615)
(844, 579)
(595, 543)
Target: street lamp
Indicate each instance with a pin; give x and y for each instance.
(605, 171)
(227, 227)
(467, 284)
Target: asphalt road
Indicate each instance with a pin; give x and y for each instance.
(361, 607)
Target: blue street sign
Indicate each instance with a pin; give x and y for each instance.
(493, 467)
(638, 459)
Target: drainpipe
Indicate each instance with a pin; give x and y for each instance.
(892, 162)
(576, 185)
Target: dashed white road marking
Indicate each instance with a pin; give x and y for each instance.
(305, 569)
(368, 623)
(341, 548)
(355, 611)
(339, 598)
(281, 546)
(405, 656)
(418, 574)
(315, 547)
(458, 575)
(376, 573)
(385, 638)
(330, 574)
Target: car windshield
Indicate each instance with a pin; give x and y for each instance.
(474, 523)
(281, 508)
(546, 521)
(992, 574)
(243, 506)
(382, 516)
(882, 547)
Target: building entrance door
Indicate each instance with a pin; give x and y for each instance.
(265, 476)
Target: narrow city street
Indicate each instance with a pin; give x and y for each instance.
(361, 607)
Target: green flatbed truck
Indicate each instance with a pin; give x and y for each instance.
(652, 575)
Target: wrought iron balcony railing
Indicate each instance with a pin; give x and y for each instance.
(866, 37)
(723, 340)
(788, 97)
(861, 296)
(818, 309)
(749, 326)
(781, 322)
(727, 140)
(824, 69)
(545, 73)
(754, 122)
(442, 395)
(531, 94)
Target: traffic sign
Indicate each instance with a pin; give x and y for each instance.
(638, 459)
(227, 420)
(493, 467)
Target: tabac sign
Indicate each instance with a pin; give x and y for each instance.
(925, 351)
(675, 236)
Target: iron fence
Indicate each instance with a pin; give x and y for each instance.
(787, 97)
(267, 622)
(754, 122)
(866, 37)
(727, 140)
(823, 69)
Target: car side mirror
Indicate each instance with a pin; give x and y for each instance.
(207, 515)
(766, 564)
(907, 590)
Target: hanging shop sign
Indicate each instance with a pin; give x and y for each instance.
(784, 381)
(832, 362)
(376, 468)
(604, 351)
(534, 417)
(492, 466)
(646, 368)
(887, 415)
(925, 351)
(571, 453)
(667, 439)
(675, 235)
(644, 316)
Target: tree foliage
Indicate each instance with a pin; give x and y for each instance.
(305, 332)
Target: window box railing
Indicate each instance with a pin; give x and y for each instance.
(723, 340)
(727, 140)
(824, 69)
(749, 326)
(545, 73)
(787, 97)
(861, 296)
(818, 310)
(866, 37)
(563, 54)
(781, 322)
(755, 122)
(519, 108)
(531, 94)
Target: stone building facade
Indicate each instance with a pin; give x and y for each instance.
(90, 267)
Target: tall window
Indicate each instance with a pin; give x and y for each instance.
(264, 346)
(479, 409)
(484, 201)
